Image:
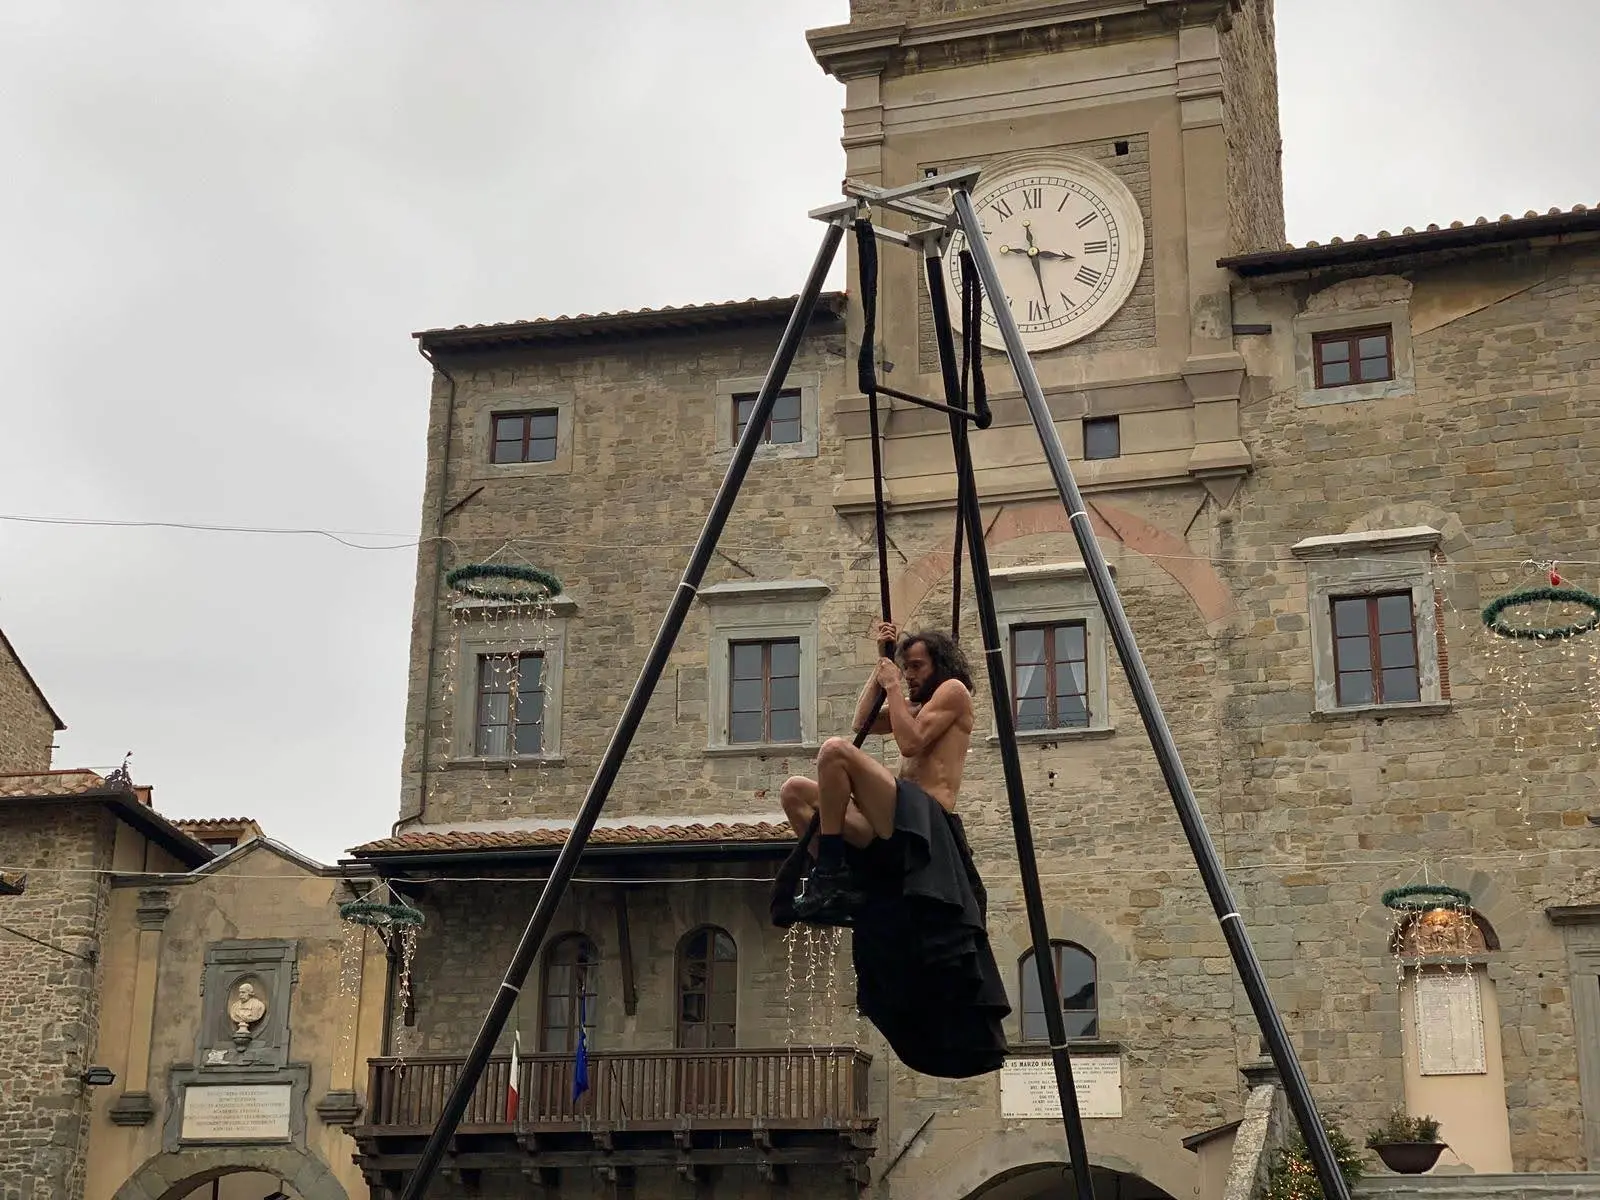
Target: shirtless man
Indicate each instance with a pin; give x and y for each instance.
(855, 794)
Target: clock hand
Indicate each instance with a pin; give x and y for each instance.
(1038, 270)
(1052, 254)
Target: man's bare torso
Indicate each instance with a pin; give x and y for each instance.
(938, 769)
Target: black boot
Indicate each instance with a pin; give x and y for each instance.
(829, 896)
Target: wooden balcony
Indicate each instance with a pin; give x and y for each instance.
(695, 1111)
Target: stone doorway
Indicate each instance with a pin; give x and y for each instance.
(238, 1173)
(1053, 1181)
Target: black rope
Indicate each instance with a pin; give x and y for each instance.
(867, 380)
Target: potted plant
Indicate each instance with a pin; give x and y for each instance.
(1407, 1145)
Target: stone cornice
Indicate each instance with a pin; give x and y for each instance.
(999, 32)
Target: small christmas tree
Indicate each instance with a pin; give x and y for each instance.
(1292, 1175)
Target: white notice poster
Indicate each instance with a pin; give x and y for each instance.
(1028, 1087)
(1449, 1023)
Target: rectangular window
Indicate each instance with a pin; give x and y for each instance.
(1050, 675)
(783, 428)
(764, 691)
(524, 437)
(1102, 437)
(1375, 649)
(1348, 356)
(510, 718)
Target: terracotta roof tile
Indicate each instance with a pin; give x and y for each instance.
(420, 840)
(1580, 218)
(51, 783)
(680, 316)
(210, 822)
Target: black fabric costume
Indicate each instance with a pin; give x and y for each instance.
(925, 974)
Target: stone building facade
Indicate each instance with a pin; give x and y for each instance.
(1308, 468)
(124, 939)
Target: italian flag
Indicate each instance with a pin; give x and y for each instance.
(512, 1096)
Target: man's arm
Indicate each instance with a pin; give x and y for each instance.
(914, 732)
(864, 706)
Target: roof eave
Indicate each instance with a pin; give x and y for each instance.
(1554, 227)
(187, 850)
(623, 325)
(488, 855)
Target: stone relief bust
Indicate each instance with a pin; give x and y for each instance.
(245, 1009)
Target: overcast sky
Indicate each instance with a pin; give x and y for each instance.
(224, 220)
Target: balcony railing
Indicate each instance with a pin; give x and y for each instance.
(811, 1087)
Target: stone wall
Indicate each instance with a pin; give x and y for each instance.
(1494, 446)
(27, 727)
(617, 521)
(1250, 122)
(49, 1019)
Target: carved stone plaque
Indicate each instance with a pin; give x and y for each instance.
(241, 1112)
(1028, 1087)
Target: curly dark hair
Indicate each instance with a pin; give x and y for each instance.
(949, 659)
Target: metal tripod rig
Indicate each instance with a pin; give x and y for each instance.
(939, 223)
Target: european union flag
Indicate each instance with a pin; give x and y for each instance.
(580, 1069)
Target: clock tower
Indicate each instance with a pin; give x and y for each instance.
(1125, 147)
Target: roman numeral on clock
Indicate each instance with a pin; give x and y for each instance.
(1032, 197)
(1088, 275)
(1096, 247)
(1001, 207)
(1087, 219)
(1037, 311)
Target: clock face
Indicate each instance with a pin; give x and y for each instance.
(1067, 240)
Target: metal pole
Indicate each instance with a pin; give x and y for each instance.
(455, 1105)
(1211, 871)
(1010, 761)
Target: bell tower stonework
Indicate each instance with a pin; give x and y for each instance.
(1126, 146)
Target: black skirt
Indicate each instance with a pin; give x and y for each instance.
(925, 974)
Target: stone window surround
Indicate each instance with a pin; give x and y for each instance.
(810, 385)
(1396, 315)
(1364, 563)
(484, 638)
(757, 610)
(482, 439)
(1048, 593)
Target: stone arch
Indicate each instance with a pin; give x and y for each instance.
(170, 1175)
(1024, 1147)
(1166, 550)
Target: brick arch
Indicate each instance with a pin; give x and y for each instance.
(1168, 551)
(172, 1175)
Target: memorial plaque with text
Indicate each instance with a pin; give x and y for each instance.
(242, 1112)
(1028, 1088)
(1449, 1017)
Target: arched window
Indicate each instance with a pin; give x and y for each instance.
(1075, 976)
(571, 972)
(708, 990)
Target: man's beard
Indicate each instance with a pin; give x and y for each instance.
(923, 693)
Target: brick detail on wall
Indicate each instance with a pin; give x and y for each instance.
(50, 1017)
(1250, 123)
(27, 727)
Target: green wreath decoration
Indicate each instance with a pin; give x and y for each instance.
(1413, 897)
(1570, 595)
(466, 580)
(379, 916)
